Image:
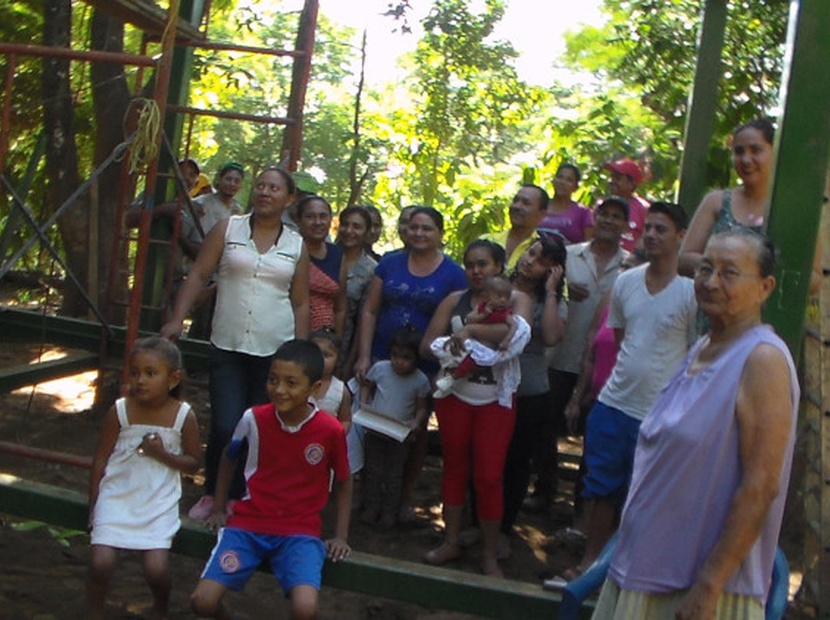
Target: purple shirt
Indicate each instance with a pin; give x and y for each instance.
(570, 223)
(686, 471)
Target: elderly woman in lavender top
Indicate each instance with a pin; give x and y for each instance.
(713, 457)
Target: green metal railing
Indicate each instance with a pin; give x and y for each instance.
(431, 587)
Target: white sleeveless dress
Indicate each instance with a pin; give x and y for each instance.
(330, 401)
(138, 501)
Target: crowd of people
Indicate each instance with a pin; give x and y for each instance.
(327, 360)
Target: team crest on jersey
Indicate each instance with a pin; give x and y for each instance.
(229, 562)
(314, 453)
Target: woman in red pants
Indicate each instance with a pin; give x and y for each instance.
(476, 418)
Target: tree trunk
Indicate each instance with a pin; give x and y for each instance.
(355, 182)
(61, 151)
(110, 98)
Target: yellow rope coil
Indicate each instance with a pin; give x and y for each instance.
(146, 145)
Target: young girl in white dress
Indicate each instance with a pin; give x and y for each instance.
(332, 397)
(147, 441)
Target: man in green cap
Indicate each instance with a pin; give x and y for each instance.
(306, 186)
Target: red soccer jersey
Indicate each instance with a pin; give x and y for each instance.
(288, 474)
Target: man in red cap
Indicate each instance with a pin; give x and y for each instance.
(625, 177)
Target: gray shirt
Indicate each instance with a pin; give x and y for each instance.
(582, 269)
(396, 395)
(532, 359)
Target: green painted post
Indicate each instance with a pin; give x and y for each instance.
(190, 11)
(700, 118)
(801, 156)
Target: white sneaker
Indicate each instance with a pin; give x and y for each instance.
(445, 382)
(443, 386)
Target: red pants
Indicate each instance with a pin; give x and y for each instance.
(477, 438)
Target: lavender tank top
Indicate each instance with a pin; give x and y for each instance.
(686, 471)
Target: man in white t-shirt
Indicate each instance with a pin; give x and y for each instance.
(653, 312)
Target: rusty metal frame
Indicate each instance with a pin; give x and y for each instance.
(144, 15)
(238, 116)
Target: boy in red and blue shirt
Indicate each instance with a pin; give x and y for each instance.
(292, 450)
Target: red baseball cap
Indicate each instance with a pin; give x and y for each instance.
(628, 167)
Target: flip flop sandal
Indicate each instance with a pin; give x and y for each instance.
(566, 537)
(560, 581)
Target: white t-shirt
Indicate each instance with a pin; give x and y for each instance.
(659, 329)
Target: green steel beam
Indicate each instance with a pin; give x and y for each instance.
(190, 11)
(801, 156)
(435, 588)
(28, 374)
(76, 333)
(700, 118)
(441, 588)
(41, 502)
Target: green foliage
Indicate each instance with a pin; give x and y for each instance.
(259, 84)
(22, 22)
(649, 46)
(62, 535)
(453, 148)
(590, 129)
(458, 129)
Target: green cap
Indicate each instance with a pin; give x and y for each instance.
(232, 165)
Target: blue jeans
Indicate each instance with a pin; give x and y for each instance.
(237, 382)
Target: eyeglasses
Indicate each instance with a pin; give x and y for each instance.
(728, 274)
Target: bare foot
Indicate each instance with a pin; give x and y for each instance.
(503, 548)
(469, 537)
(445, 552)
(491, 568)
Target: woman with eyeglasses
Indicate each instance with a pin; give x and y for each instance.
(700, 527)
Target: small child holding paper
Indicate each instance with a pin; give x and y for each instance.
(398, 390)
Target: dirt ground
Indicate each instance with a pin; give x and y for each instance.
(42, 579)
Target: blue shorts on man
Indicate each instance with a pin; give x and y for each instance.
(610, 440)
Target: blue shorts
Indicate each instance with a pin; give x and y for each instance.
(610, 440)
(295, 560)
